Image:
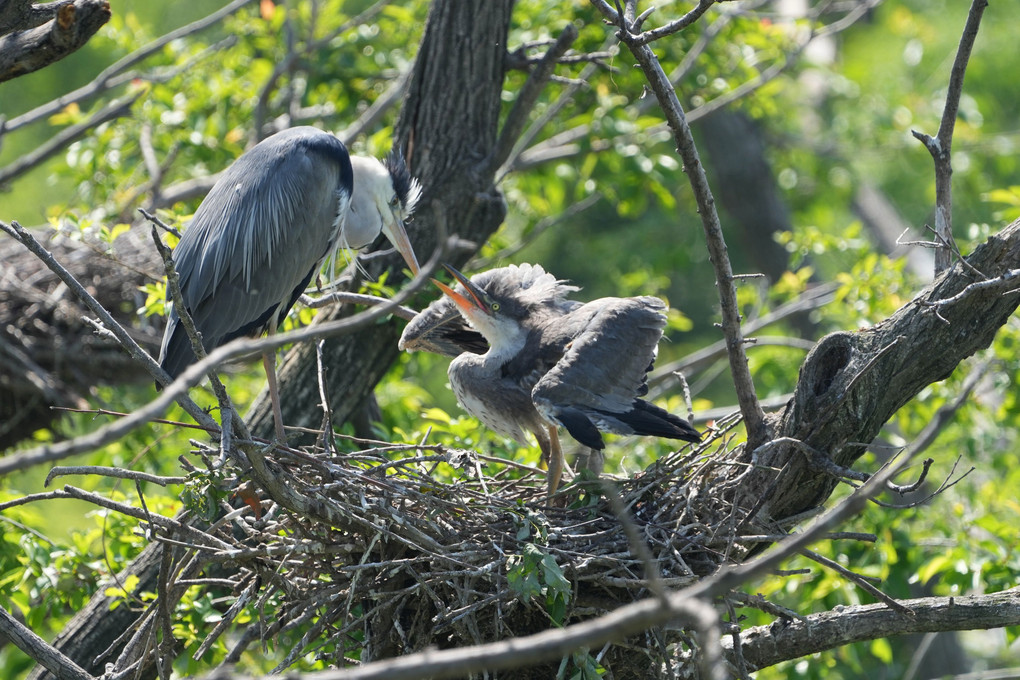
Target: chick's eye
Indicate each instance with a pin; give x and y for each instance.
(495, 306)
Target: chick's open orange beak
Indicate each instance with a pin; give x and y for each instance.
(470, 304)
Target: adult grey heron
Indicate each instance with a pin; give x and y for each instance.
(550, 361)
(266, 227)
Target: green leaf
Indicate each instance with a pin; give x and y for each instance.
(882, 649)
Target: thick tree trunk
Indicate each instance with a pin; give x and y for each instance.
(852, 383)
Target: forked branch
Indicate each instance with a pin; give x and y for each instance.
(750, 408)
(940, 146)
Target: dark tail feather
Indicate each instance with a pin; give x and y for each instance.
(581, 428)
(649, 420)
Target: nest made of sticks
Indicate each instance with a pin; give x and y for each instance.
(382, 559)
(43, 334)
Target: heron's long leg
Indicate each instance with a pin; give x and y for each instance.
(590, 459)
(555, 460)
(269, 361)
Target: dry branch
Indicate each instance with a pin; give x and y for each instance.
(30, 49)
(764, 646)
(750, 408)
(940, 146)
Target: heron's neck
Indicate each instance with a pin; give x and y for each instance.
(505, 342)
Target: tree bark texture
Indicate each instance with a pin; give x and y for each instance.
(33, 46)
(764, 646)
(853, 382)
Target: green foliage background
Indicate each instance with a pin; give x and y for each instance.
(830, 126)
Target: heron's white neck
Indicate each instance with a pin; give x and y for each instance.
(506, 337)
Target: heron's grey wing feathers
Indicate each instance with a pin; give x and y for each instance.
(612, 344)
(596, 383)
(245, 255)
(440, 329)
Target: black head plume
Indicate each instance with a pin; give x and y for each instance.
(406, 187)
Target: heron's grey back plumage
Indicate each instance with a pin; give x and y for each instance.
(258, 237)
(608, 346)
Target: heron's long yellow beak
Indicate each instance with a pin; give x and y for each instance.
(398, 237)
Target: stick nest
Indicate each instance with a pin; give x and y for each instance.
(384, 559)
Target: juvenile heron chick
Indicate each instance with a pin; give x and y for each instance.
(266, 227)
(550, 361)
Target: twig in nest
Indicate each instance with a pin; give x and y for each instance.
(637, 544)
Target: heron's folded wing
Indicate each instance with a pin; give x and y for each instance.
(603, 368)
(258, 236)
